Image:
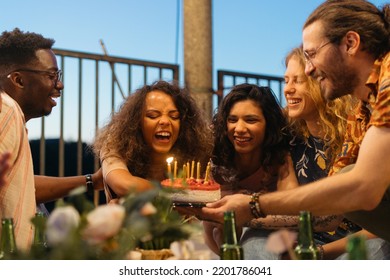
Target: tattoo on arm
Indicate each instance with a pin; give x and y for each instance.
(326, 223)
(275, 222)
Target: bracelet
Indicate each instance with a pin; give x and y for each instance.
(89, 183)
(320, 251)
(254, 205)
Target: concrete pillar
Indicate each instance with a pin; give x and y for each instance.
(198, 65)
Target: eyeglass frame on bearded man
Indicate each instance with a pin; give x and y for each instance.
(311, 54)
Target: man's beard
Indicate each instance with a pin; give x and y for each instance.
(341, 79)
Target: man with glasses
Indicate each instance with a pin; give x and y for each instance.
(30, 83)
(346, 44)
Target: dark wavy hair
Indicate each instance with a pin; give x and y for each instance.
(18, 48)
(275, 145)
(340, 16)
(123, 134)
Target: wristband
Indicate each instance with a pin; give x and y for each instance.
(320, 251)
(89, 183)
(254, 205)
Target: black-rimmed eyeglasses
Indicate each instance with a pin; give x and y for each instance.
(55, 76)
(311, 54)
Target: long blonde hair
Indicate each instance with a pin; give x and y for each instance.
(333, 113)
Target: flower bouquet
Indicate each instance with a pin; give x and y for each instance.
(141, 224)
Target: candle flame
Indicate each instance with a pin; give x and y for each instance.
(169, 160)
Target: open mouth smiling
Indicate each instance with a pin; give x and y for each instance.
(294, 101)
(163, 135)
(242, 139)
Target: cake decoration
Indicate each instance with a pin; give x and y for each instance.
(190, 189)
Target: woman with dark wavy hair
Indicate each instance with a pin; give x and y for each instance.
(154, 123)
(250, 155)
(229, 151)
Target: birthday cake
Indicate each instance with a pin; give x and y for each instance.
(192, 190)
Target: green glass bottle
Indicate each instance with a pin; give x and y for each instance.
(39, 243)
(230, 249)
(306, 248)
(7, 241)
(356, 247)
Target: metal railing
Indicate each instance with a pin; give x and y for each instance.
(228, 79)
(92, 91)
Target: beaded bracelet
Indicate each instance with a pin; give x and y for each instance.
(89, 183)
(254, 205)
(321, 251)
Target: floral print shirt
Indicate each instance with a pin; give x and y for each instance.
(311, 164)
(374, 112)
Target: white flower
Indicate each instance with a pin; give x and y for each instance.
(60, 224)
(133, 255)
(182, 250)
(103, 222)
(192, 249)
(148, 209)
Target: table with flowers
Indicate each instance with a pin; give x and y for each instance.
(140, 226)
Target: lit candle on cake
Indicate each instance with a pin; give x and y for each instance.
(198, 171)
(206, 177)
(169, 160)
(188, 169)
(184, 175)
(192, 169)
(175, 169)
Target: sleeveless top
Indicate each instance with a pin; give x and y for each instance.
(311, 164)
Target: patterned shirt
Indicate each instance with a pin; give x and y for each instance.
(311, 164)
(375, 112)
(17, 197)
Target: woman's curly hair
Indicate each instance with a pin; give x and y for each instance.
(123, 134)
(275, 146)
(333, 113)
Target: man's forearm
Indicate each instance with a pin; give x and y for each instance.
(361, 188)
(328, 196)
(51, 188)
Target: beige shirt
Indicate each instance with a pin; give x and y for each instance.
(17, 197)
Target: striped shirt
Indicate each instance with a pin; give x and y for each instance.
(17, 197)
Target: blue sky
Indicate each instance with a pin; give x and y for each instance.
(248, 35)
